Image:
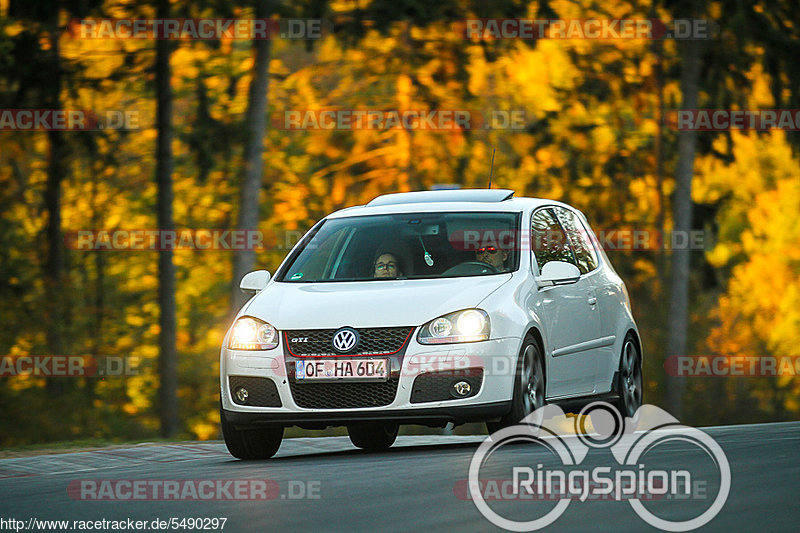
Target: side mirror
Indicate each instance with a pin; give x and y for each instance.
(558, 273)
(252, 282)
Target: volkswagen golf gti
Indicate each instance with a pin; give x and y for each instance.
(428, 308)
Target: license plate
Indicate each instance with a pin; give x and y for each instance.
(342, 370)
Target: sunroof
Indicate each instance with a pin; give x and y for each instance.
(458, 195)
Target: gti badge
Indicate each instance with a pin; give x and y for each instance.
(345, 340)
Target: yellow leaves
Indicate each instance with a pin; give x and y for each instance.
(183, 337)
(290, 205)
(761, 163)
(134, 320)
(149, 135)
(536, 74)
(603, 138)
(762, 305)
(404, 86)
(720, 255)
(204, 430)
(12, 29)
(645, 267)
(646, 67)
(184, 62)
(760, 94)
(215, 335)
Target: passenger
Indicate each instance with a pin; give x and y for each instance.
(387, 266)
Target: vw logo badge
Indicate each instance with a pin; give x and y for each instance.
(345, 340)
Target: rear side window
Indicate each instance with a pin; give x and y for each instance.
(579, 239)
(548, 240)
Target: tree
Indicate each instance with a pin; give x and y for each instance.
(244, 260)
(678, 318)
(168, 356)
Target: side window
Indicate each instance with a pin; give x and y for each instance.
(580, 240)
(548, 240)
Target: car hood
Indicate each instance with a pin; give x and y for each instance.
(368, 303)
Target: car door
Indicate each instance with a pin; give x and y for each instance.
(610, 305)
(569, 312)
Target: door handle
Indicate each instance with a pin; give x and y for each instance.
(592, 300)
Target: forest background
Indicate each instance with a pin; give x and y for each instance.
(205, 151)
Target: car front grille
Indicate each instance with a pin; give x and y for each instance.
(438, 386)
(261, 392)
(372, 341)
(336, 395)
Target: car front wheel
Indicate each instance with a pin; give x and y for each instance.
(250, 444)
(529, 387)
(629, 378)
(373, 436)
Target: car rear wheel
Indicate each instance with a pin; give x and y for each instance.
(629, 378)
(250, 444)
(529, 387)
(373, 436)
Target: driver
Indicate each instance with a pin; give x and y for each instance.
(492, 255)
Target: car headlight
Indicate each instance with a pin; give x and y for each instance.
(470, 325)
(249, 333)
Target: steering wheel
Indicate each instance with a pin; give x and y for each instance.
(471, 267)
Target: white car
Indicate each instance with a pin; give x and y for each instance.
(429, 308)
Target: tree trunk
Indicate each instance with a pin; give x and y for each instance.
(678, 318)
(54, 265)
(244, 260)
(657, 48)
(168, 357)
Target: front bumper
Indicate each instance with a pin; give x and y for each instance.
(432, 416)
(493, 361)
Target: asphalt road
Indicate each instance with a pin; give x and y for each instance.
(324, 484)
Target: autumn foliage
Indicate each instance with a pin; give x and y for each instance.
(594, 135)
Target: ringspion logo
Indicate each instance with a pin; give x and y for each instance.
(562, 476)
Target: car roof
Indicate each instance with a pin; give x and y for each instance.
(457, 195)
(485, 200)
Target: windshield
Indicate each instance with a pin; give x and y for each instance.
(407, 246)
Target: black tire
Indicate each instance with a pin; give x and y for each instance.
(529, 386)
(629, 378)
(373, 436)
(250, 444)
